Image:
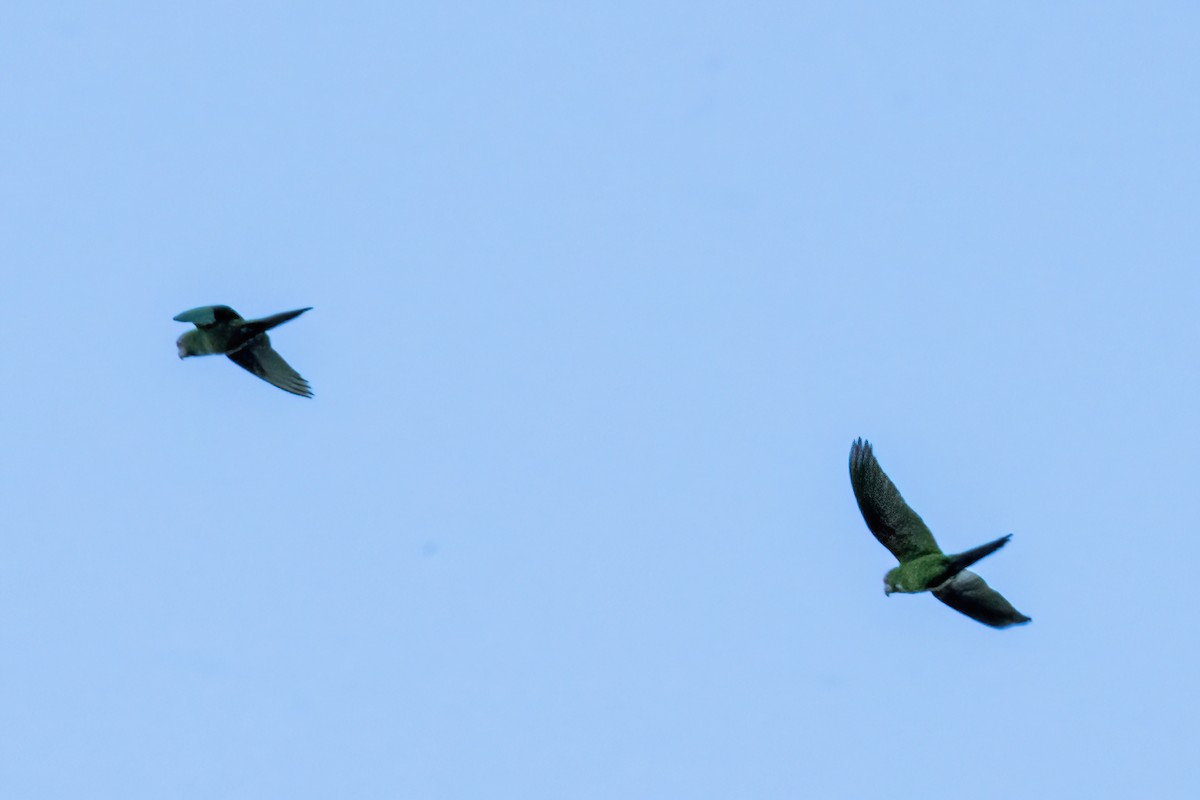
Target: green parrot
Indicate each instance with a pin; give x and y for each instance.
(923, 566)
(220, 329)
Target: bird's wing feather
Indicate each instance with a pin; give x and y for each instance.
(895, 525)
(204, 316)
(969, 594)
(259, 357)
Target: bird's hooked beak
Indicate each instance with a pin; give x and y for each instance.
(183, 353)
(887, 590)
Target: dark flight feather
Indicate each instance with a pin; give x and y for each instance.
(896, 526)
(969, 594)
(258, 357)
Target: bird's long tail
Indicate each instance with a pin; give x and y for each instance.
(961, 561)
(266, 323)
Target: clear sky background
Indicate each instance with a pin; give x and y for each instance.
(602, 294)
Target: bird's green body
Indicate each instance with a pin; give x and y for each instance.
(919, 575)
(923, 566)
(199, 342)
(221, 331)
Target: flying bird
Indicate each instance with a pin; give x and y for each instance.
(923, 566)
(221, 330)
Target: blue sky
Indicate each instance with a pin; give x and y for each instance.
(602, 294)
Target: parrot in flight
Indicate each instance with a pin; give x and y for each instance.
(221, 330)
(923, 566)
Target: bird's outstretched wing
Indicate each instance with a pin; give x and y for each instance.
(968, 593)
(259, 357)
(895, 525)
(204, 316)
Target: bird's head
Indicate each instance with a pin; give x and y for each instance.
(890, 582)
(183, 343)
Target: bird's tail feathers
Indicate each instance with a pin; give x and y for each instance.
(963, 560)
(266, 323)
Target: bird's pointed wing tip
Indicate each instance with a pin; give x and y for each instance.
(860, 452)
